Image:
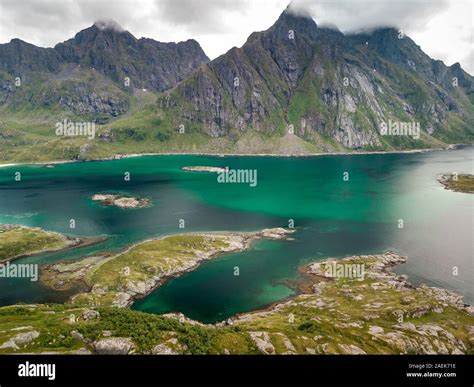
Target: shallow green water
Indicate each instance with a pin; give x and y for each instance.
(333, 217)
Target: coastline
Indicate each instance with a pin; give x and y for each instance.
(266, 326)
(313, 279)
(70, 243)
(462, 183)
(83, 243)
(127, 292)
(223, 155)
(379, 313)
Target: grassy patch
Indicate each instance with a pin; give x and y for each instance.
(459, 183)
(152, 258)
(19, 241)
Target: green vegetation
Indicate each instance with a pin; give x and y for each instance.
(146, 331)
(459, 183)
(335, 89)
(376, 313)
(137, 270)
(153, 258)
(17, 241)
(117, 279)
(373, 314)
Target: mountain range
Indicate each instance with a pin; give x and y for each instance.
(91, 73)
(295, 88)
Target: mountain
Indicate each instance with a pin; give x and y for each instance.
(118, 54)
(295, 88)
(94, 74)
(334, 90)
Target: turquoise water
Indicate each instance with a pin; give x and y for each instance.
(333, 218)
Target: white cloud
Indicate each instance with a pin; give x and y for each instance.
(443, 28)
(353, 16)
(449, 35)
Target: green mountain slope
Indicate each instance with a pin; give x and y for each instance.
(293, 89)
(326, 87)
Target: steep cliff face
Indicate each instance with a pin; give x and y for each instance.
(21, 59)
(95, 73)
(118, 54)
(296, 88)
(323, 86)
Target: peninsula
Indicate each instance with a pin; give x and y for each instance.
(458, 182)
(20, 241)
(376, 313)
(120, 279)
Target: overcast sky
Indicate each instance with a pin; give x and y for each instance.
(443, 28)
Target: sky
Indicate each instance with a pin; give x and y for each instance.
(443, 28)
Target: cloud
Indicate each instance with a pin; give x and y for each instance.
(108, 24)
(469, 62)
(443, 28)
(359, 15)
(47, 22)
(217, 25)
(200, 16)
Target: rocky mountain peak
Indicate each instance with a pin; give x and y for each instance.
(297, 21)
(327, 85)
(109, 31)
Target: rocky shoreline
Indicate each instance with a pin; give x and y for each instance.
(66, 275)
(348, 309)
(380, 271)
(134, 155)
(457, 182)
(382, 279)
(65, 243)
(205, 169)
(121, 201)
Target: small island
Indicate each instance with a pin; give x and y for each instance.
(121, 201)
(458, 183)
(205, 169)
